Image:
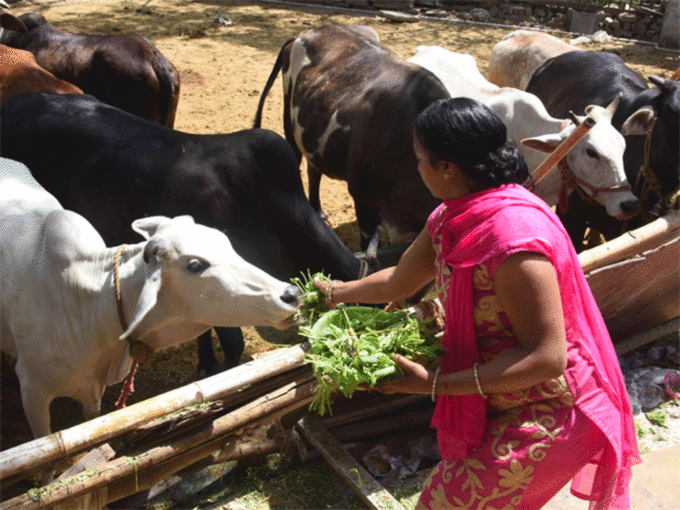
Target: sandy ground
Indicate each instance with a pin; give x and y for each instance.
(223, 70)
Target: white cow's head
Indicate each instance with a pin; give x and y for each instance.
(597, 160)
(192, 273)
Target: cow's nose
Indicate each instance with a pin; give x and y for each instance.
(291, 294)
(630, 207)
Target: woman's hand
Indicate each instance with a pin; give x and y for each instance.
(416, 379)
(326, 289)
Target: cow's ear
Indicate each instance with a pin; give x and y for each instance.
(147, 227)
(147, 299)
(11, 22)
(640, 123)
(545, 143)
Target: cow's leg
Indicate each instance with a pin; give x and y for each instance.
(36, 406)
(36, 402)
(206, 355)
(574, 221)
(232, 343)
(368, 220)
(314, 180)
(92, 411)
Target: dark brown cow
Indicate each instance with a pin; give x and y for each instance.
(123, 70)
(349, 107)
(21, 74)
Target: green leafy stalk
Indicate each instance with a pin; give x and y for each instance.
(352, 346)
(312, 300)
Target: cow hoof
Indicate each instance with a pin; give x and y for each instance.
(213, 369)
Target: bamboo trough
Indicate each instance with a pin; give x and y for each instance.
(635, 279)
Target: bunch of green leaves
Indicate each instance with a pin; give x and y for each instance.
(352, 346)
(312, 299)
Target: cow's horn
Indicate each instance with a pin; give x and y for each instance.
(575, 118)
(611, 109)
(656, 80)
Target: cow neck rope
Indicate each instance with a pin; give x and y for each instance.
(647, 182)
(138, 350)
(570, 181)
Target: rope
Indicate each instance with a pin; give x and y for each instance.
(116, 284)
(128, 388)
(139, 351)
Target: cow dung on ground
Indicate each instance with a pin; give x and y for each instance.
(223, 70)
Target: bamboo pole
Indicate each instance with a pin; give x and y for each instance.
(563, 149)
(631, 243)
(193, 446)
(69, 441)
(169, 480)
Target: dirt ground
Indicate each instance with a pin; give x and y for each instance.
(223, 70)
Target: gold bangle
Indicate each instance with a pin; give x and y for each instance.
(434, 382)
(479, 386)
(329, 292)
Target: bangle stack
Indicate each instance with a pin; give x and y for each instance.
(434, 383)
(479, 386)
(329, 292)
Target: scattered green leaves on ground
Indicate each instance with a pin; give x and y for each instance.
(657, 417)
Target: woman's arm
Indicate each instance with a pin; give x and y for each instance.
(528, 292)
(416, 268)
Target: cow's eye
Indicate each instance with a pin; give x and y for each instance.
(197, 265)
(592, 154)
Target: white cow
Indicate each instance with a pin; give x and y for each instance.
(58, 306)
(597, 159)
(517, 56)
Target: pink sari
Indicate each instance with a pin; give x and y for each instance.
(499, 222)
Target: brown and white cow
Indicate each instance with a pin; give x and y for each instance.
(516, 57)
(21, 74)
(123, 70)
(349, 107)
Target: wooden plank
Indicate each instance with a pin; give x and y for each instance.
(633, 342)
(631, 243)
(363, 483)
(639, 293)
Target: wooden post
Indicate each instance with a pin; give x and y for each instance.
(363, 483)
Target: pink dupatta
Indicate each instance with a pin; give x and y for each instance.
(502, 221)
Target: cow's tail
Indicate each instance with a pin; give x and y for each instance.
(270, 83)
(168, 80)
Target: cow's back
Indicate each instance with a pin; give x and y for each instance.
(21, 74)
(24, 205)
(573, 81)
(124, 70)
(113, 167)
(350, 103)
(520, 53)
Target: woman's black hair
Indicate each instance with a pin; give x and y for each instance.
(465, 132)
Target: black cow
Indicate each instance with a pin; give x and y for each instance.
(113, 167)
(123, 70)
(349, 107)
(647, 116)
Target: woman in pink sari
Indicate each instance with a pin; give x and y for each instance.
(530, 394)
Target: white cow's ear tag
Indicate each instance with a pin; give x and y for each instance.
(147, 298)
